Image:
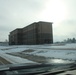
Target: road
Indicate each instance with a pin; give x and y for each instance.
(3, 61)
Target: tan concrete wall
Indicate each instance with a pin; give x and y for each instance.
(36, 33)
(45, 27)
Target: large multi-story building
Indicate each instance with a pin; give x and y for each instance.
(35, 33)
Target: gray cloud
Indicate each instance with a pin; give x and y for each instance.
(71, 7)
(65, 29)
(19, 13)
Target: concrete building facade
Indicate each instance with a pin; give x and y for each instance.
(35, 33)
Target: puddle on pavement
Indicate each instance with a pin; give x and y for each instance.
(59, 61)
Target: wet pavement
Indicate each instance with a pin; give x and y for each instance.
(41, 59)
(3, 61)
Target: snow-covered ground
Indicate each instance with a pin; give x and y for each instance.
(15, 59)
(67, 51)
(63, 54)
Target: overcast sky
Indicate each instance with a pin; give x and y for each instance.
(20, 13)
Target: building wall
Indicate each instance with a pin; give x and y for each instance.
(29, 36)
(45, 32)
(15, 37)
(35, 33)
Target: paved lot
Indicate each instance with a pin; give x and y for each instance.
(3, 61)
(38, 59)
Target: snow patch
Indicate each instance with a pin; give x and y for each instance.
(15, 59)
